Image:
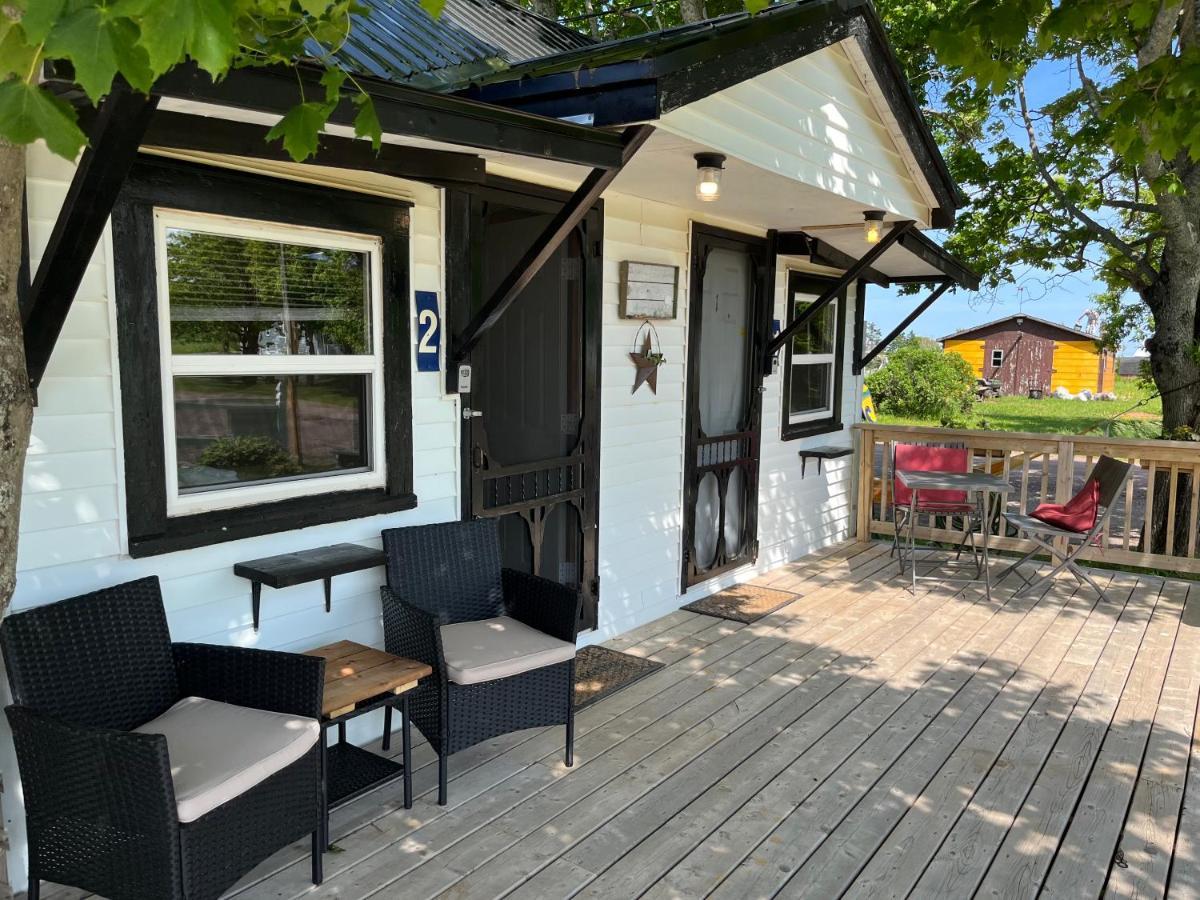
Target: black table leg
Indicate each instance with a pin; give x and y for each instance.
(387, 728)
(406, 740)
(341, 732)
(323, 826)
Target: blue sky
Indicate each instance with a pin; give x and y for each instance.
(1059, 300)
(1059, 297)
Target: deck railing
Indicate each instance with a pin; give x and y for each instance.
(1153, 524)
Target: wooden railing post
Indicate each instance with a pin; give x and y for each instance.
(865, 473)
(1064, 480)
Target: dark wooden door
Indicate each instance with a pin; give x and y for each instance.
(531, 444)
(1025, 361)
(727, 315)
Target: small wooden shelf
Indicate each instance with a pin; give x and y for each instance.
(318, 564)
(820, 454)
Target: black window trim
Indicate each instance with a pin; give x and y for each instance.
(155, 182)
(807, 282)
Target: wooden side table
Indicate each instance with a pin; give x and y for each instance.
(358, 680)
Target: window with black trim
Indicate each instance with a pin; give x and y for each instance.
(812, 386)
(262, 333)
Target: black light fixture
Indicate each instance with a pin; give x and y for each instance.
(873, 225)
(708, 176)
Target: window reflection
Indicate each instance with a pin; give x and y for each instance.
(242, 429)
(236, 295)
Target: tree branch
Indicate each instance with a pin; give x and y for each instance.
(1131, 205)
(1105, 234)
(1089, 87)
(1159, 36)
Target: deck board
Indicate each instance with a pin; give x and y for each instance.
(860, 742)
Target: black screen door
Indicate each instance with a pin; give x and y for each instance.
(531, 440)
(726, 336)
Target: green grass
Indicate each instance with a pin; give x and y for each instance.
(1053, 416)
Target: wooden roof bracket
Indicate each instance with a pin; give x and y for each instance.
(848, 278)
(113, 145)
(861, 361)
(543, 248)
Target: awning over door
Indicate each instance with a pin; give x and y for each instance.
(902, 256)
(913, 257)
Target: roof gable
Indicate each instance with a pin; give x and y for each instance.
(643, 78)
(978, 330)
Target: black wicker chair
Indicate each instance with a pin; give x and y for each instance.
(100, 800)
(443, 575)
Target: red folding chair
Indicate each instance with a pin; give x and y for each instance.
(928, 458)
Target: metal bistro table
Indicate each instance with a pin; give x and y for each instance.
(983, 485)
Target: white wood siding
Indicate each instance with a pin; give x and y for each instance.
(814, 121)
(642, 441)
(73, 538)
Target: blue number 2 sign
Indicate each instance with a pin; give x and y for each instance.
(429, 332)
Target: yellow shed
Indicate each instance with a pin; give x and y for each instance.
(1026, 353)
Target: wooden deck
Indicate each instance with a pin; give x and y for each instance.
(861, 742)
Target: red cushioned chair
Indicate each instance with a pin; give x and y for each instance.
(928, 458)
(1104, 482)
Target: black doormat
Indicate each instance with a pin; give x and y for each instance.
(744, 603)
(600, 672)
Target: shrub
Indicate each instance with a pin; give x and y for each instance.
(250, 457)
(924, 383)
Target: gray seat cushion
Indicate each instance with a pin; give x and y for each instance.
(497, 648)
(219, 751)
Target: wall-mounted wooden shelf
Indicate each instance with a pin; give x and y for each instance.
(318, 564)
(820, 454)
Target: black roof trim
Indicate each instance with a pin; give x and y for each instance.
(671, 68)
(402, 110)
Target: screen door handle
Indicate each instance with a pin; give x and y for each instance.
(469, 413)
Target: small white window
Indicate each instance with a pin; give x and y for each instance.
(272, 369)
(813, 358)
(997, 358)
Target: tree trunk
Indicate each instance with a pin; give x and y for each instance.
(16, 398)
(1176, 371)
(692, 10)
(547, 9)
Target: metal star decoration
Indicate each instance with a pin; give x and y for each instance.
(647, 367)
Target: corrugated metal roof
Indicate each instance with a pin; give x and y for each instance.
(401, 42)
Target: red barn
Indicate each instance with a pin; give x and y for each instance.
(1026, 353)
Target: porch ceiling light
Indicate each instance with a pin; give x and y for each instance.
(708, 176)
(872, 225)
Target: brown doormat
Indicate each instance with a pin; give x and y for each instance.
(744, 603)
(600, 671)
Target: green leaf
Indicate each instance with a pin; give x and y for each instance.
(300, 129)
(213, 40)
(85, 38)
(756, 6)
(16, 56)
(40, 17)
(332, 80)
(366, 121)
(164, 27)
(433, 7)
(28, 112)
(314, 8)
(132, 60)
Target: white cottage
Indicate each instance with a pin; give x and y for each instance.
(263, 357)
